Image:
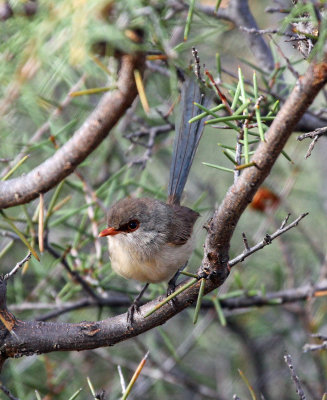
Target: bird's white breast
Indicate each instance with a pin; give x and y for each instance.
(135, 256)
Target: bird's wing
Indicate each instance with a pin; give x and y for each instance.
(182, 222)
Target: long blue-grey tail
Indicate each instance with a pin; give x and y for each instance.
(187, 138)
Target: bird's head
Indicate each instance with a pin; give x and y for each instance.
(139, 219)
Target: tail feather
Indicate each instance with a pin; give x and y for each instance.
(186, 140)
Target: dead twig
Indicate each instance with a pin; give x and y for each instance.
(295, 378)
(151, 133)
(7, 392)
(315, 135)
(267, 239)
(17, 267)
(316, 346)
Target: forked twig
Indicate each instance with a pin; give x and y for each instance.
(267, 239)
(17, 266)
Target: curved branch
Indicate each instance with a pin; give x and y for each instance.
(45, 176)
(224, 221)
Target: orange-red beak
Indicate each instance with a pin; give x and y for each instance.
(109, 231)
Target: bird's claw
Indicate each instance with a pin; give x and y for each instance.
(206, 273)
(132, 309)
(170, 290)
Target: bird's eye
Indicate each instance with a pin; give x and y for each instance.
(133, 225)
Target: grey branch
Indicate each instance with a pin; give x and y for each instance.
(7, 392)
(295, 378)
(240, 14)
(17, 266)
(267, 240)
(315, 135)
(61, 336)
(243, 301)
(316, 346)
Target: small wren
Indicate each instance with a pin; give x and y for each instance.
(150, 240)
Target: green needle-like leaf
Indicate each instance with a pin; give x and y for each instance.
(21, 236)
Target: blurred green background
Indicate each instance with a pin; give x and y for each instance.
(43, 56)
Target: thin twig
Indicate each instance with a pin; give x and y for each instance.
(122, 379)
(259, 31)
(168, 365)
(151, 133)
(197, 66)
(74, 274)
(6, 391)
(288, 62)
(267, 240)
(41, 224)
(311, 147)
(242, 300)
(315, 135)
(295, 378)
(245, 241)
(17, 266)
(90, 198)
(316, 346)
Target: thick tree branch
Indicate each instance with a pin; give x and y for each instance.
(244, 301)
(224, 221)
(45, 176)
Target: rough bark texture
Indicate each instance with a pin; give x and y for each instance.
(224, 221)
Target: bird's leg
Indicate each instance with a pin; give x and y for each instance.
(135, 305)
(172, 283)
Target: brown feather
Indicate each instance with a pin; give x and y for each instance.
(181, 224)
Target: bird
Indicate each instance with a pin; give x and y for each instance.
(149, 240)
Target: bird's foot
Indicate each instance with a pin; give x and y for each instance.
(206, 273)
(170, 290)
(172, 285)
(132, 309)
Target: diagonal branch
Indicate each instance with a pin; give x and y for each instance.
(112, 106)
(224, 221)
(267, 240)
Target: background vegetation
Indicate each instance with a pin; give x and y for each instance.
(60, 47)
